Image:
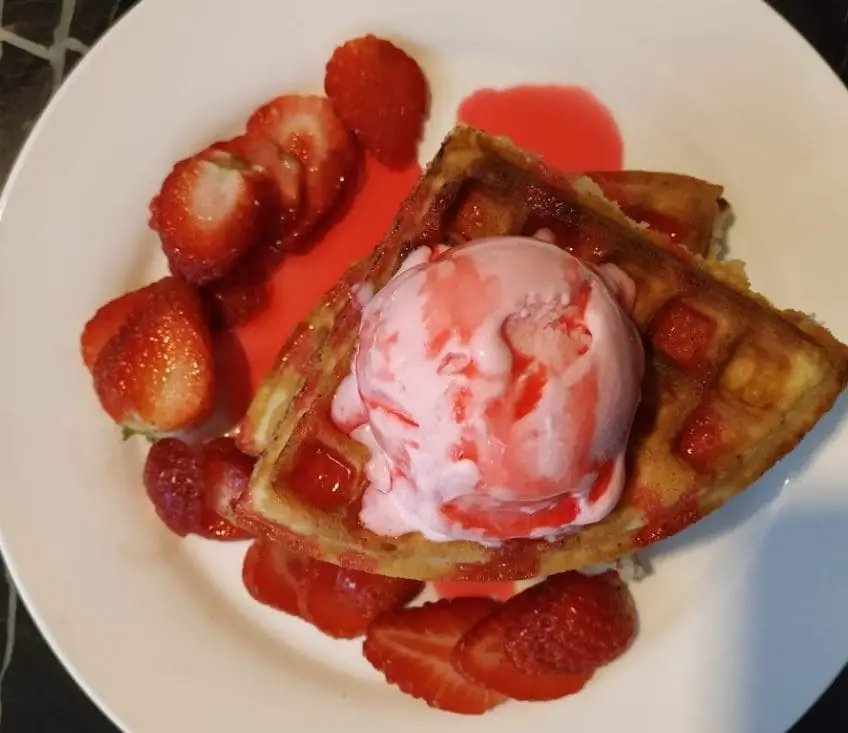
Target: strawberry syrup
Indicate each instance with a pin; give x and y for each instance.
(568, 126)
(500, 590)
(301, 280)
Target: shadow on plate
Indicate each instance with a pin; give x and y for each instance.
(792, 629)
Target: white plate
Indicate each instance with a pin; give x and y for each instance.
(743, 622)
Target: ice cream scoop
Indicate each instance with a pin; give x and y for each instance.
(495, 386)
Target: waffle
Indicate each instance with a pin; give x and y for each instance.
(687, 211)
(732, 384)
(670, 208)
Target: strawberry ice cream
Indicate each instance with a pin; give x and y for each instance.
(495, 385)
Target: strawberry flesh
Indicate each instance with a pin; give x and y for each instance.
(413, 648)
(207, 216)
(278, 178)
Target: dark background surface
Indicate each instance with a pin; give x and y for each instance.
(48, 38)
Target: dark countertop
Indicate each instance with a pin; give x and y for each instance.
(41, 40)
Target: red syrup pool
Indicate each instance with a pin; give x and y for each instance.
(568, 126)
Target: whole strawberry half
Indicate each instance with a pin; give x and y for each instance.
(571, 623)
(192, 487)
(413, 648)
(107, 321)
(341, 602)
(307, 128)
(380, 93)
(155, 375)
(207, 215)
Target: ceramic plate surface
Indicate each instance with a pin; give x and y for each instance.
(743, 619)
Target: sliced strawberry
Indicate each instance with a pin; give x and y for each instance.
(571, 623)
(226, 474)
(481, 656)
(192, 487)
(207, 216)
(174, 483)
(381, 94)
(341, 602)
(281, 173)
(107, 321)
(273, 576)
(413, 648)
(155, 375)
(307, 128)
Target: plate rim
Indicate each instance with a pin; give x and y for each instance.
(124, 25)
